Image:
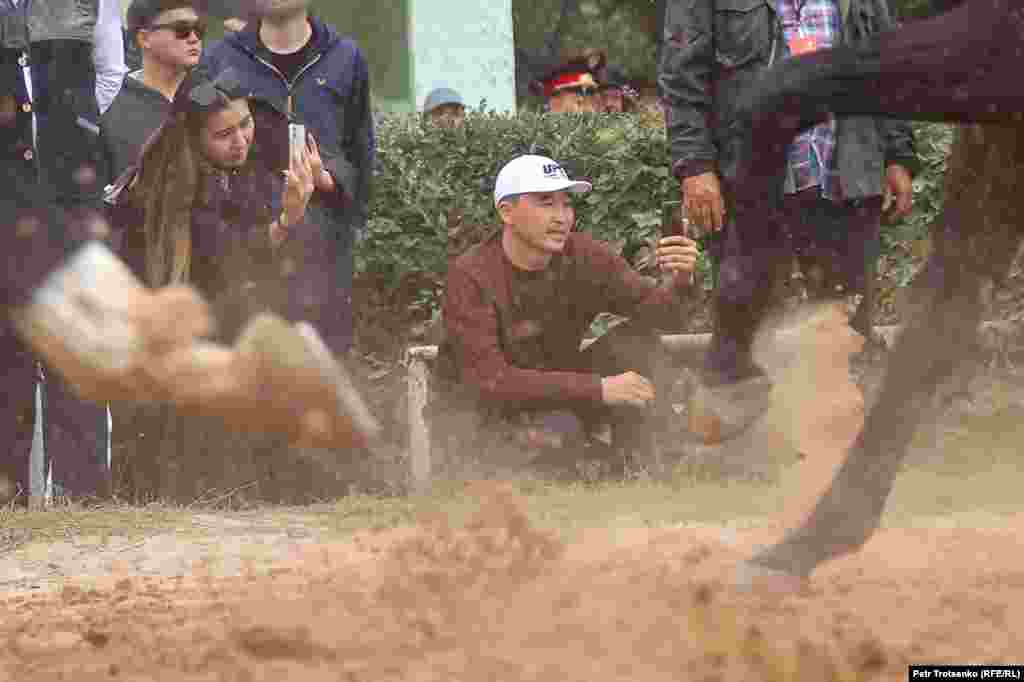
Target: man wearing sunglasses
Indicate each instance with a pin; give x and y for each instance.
(571, 86)
(169, 35)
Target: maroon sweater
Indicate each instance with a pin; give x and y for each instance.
(486, 328)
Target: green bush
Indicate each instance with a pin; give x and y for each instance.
(426, 173)
(901, 252)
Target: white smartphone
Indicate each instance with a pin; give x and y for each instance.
(296, 138)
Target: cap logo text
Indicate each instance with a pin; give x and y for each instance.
(553, 170)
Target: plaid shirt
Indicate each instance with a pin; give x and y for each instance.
(812, 156)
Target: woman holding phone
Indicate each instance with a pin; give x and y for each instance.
(214, 203)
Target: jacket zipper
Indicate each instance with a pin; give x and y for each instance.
(290, 85)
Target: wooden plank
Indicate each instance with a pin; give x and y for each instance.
(420, 466)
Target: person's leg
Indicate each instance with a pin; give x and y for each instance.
(858, 233)
(75, 441)
(749, 264)
(629, 348)
(17, 418)
(339, 327)
(838, 245)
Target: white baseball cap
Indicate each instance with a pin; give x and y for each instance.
(531, 173)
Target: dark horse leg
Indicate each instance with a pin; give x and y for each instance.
(949, 68)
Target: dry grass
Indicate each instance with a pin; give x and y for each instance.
(977, 473)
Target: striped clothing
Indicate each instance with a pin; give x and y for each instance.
(812, 155)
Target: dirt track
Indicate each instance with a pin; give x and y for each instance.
(503, 600)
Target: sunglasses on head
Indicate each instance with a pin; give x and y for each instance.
(182, 29)
(227, 84)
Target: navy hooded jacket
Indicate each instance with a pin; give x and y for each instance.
(330, 96)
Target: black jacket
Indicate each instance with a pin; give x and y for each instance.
(134, 115)
(714, 49)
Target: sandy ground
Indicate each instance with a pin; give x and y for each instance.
(273, 597)
(502, 600)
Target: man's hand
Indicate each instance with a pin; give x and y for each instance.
(678, 256)
(899, 191)
(702, 199)
(627, 389)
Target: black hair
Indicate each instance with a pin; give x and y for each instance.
(141, 13)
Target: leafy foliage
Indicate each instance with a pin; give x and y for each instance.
(433, 192)
(905, 243)
(434, 185)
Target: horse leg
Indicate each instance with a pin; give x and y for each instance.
(978, 235)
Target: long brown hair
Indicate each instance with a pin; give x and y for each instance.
(170, 175)
(165, 190)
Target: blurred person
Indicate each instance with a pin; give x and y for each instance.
(169, 35)
(208, 207)
(61, 64)
(516, 308)
(291, 58)
(444, 107)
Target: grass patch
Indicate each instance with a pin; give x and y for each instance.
(975, 475)
(63, 521)
(977, 470)
(564, 507)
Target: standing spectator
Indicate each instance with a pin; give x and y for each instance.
(206, 207)
(61, 64)
(444, 107)
(291, 58)
(169, 35)
(571, 86)
(833, 184)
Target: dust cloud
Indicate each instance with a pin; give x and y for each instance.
(503, 599)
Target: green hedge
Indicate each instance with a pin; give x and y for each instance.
(425, 174)
(899, 240)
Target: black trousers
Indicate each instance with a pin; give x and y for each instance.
(837, 240)
(559, 433)
(50, 193)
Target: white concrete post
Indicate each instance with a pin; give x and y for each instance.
(418, 360)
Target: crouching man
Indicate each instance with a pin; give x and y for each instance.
(516, 309)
